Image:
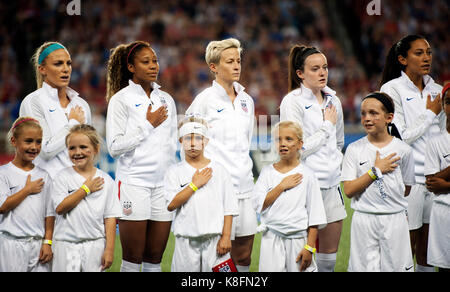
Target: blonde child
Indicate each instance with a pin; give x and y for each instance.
(288, 197)
(377, 174)
(202, 195)
(86, 207)
(26, 216)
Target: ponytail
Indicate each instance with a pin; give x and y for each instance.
(297, 57)
(117, 70)
(393, 68)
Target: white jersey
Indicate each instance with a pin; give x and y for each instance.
(143, 152)
(415, 123)
(28, 218)
(43, 105)
(437, 158)
(323, 141)
(230, 131)
(86, 220)
(203, 214)
(387, 195)
(295, 209)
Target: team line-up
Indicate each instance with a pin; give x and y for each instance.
(58, 211)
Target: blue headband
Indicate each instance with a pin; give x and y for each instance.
(48, 50)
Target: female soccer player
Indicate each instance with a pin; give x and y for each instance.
(417, 117)
(55, 105)
(437, 166)
(86, 206)
(26, 215)
(312, 104)
(229, 111)
(377, 174)
(287, 194)
(141, 133)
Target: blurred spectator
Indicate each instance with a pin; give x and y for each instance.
(179, 30)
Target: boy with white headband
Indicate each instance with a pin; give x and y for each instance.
(201, 192)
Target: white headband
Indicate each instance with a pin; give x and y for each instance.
(193, 128)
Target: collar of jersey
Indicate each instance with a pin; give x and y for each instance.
(221, 91)
(53, 92)
(307, 93)
(137, 88)
(427, 80)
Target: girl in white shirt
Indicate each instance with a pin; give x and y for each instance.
(201, 192)
(26, 216)
(418, 117)
(437, 169)
(229, 111)
(312, 104)
(288, 197)
(141, 133)
(54, 104)
(377, 174)
(86, 207)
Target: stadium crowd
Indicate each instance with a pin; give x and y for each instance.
(180, 29)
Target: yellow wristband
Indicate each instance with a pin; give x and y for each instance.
(193, 187)
(372, 175)
(310, 248)
(86, 189)
(47, 241)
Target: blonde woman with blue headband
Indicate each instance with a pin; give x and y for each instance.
(54, 104)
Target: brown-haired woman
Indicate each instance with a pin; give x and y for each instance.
(141, 133)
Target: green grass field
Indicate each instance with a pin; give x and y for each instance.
(341, 261)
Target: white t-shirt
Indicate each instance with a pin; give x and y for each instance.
(323, 141)
(203, 214)
(437, 158)
(386, 196)
(295, 209)
(230, 131)
(415, 123)
(28, 218)
(86, 220)
(143, 152)
(43, 105)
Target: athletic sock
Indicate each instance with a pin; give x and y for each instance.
(326, 262)
(243, 269)
(149, 267)
(420, 268)
(129, 267)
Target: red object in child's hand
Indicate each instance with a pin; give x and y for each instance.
(226, 266)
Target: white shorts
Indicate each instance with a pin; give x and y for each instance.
(278, 254)
(142, 203)
(245, 224)
(85, 256)
(21, 255)
(438, 253)
(196, 254)
(419, 206)
(380, 243)
(334, 204)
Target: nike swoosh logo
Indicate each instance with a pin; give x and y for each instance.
(409, 98)
(307, 107)
(409, 268)
(220, 110)
(184, 185)
(138, 104)
(52, 110)
(71, 191)
(445, 156)
(361, 163)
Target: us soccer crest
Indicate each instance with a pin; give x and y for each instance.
(127, 208)
(226, 266)
(244, 106)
